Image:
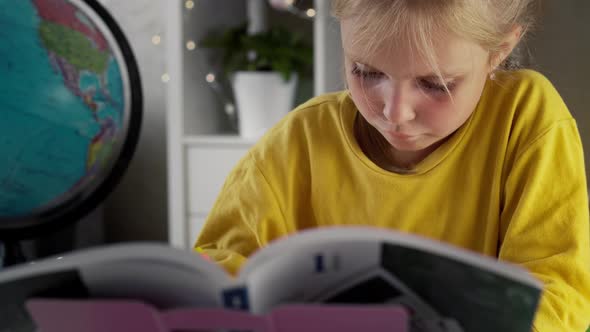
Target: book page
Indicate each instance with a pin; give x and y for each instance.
(466, 290)
(332, 271)
(158, 274)
(314, 236)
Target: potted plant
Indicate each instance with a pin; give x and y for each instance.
(263, 69)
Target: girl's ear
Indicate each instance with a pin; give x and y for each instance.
(508, 44)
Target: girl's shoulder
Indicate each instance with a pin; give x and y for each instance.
(311, 125)
(318, 115)
(323, 107)
(523, 106)
(331, 99)
(528, 95)
(525, 85)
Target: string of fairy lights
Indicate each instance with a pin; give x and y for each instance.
(191, 45)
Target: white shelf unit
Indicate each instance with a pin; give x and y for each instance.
(199, 155)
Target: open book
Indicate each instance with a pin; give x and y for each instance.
(439, 287)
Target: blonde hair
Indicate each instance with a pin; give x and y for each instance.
(420, 22)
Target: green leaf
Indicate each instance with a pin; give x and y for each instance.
(277, 49)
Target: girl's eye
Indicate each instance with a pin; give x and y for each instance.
(435, 88)
(365, 74)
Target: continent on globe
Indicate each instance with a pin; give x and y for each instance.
(75, 45)
(63, 13)
(102, 146)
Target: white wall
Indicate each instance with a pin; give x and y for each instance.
(137, 208)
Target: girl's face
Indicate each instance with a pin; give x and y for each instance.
(400, 95)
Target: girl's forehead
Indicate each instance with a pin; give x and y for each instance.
(452, 54)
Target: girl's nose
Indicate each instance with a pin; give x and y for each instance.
(397, 107)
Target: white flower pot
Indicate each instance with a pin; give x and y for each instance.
(262, 99)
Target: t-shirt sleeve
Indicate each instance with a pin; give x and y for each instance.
(245, 211)
(545, 225)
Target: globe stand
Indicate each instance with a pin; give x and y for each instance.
(13, 253)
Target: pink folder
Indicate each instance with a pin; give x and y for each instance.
(125, 316)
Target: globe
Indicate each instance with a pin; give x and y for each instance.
(70, 104)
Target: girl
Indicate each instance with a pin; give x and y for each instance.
(436, 135)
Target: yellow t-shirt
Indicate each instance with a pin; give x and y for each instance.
(510, 183)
